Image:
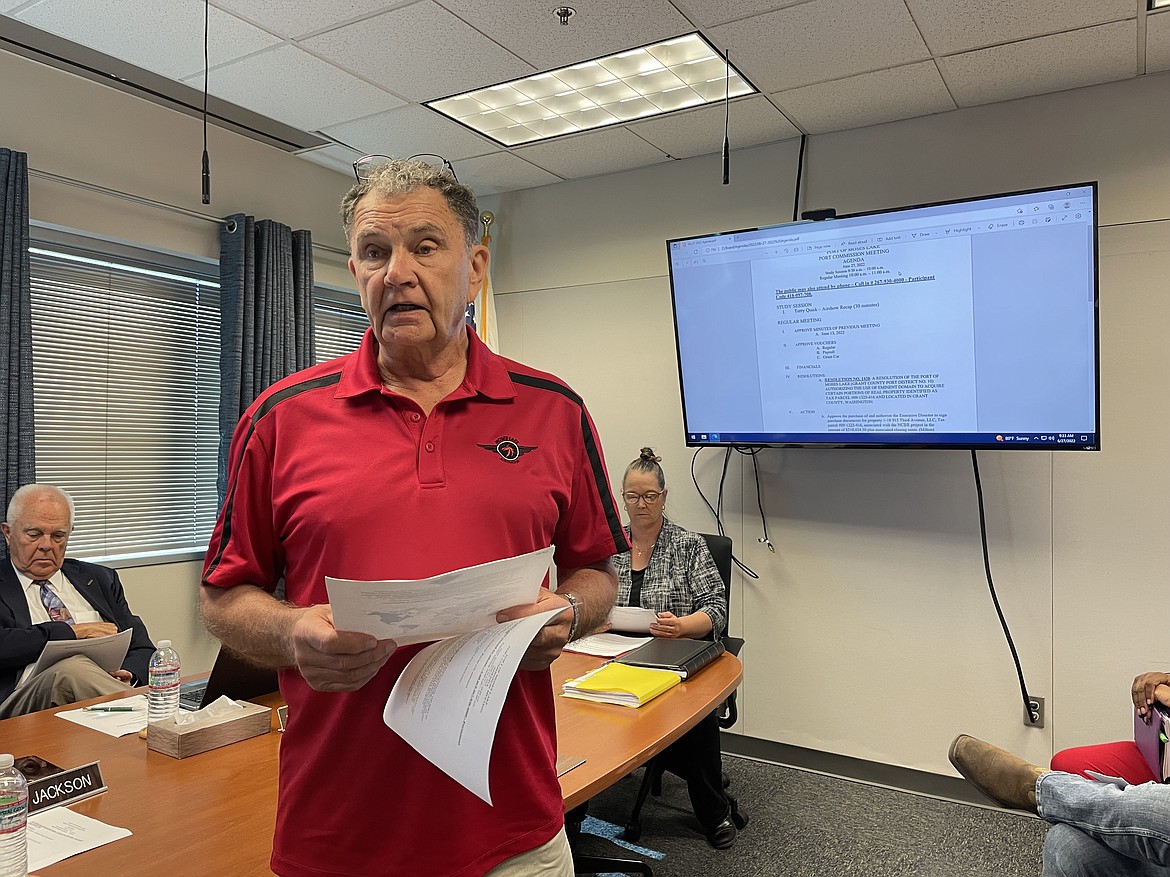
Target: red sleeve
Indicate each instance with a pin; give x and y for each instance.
(591, 529)
(244, 547)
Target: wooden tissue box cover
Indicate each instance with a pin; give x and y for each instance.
(179, 741)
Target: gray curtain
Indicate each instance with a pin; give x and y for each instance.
(266, 315)
(16, 411)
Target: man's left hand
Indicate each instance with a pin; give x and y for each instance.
(551, 638)
(123, 676)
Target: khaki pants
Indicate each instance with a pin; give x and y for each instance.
(67, 681)
(553, 859)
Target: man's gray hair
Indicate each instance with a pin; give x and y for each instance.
(30, 491)
(401, 176)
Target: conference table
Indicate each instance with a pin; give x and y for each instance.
(214, 813)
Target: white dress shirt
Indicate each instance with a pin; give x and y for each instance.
(77, 605)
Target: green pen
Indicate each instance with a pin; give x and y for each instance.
(108, 709)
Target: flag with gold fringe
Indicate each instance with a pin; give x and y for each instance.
(481, 313)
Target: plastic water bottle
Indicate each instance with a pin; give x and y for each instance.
(163, 698)
(13, 818)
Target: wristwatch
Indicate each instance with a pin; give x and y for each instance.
(576, 615)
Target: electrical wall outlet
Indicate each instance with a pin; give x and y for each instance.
(1036, 708)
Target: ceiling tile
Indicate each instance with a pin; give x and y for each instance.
(820, 41)
(420, 53)
(592, 153)
(867, 99)
(753, 121)
(1158, 42)
(334, 157)
(291, 86)
(1045, 64)
(130, 31)
(296, 18)
(601, 27)
(502, 172)
(410, 130)
(707, 14)
(344, 67)
(951, 27)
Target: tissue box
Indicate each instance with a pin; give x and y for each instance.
(179, 741)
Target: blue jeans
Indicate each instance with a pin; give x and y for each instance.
(1100, 830)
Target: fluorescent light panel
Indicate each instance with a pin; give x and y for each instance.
(649, 81)
(1155, 5)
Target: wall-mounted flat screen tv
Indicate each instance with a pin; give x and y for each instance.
(963, 324)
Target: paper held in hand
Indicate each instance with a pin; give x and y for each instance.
(445, 605)
(621, 684)
(108, 652)
(631, 619)
(447, 701)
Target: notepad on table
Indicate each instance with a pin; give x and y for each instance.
(621, 684)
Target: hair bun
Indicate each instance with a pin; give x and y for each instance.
(649, 455)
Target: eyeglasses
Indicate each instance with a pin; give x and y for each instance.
(648, 498)
(364, 166)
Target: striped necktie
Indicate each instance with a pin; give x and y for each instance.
(53, 604)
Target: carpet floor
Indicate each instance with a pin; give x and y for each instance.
(807, 824)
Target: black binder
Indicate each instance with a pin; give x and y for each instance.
(684, 656)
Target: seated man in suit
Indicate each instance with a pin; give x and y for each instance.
(45, 597)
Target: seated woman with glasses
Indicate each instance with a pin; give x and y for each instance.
(670, 570)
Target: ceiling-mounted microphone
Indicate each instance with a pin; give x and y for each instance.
(206, 179)
(726, 116)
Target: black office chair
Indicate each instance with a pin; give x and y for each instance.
(720, 548)
(583, 864)
(604, 865)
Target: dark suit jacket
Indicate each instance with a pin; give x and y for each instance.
(21, 641)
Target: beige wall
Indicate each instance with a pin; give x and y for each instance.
(74, 128)
(870, 631)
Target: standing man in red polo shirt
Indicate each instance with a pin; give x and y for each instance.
(421, 453)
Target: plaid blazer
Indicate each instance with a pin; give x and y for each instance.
(680, 578)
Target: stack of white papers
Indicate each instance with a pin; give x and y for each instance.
(606, 645)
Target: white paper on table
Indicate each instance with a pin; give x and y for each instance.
(117, 724)
(108, 652)
(58, 833)
(635, 619)
(606, 645)
(445, 605)
(447, 702)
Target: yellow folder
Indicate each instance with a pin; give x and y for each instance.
(621, 684)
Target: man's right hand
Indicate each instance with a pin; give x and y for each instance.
(1144, 691)
(93, 629)
(335, 660)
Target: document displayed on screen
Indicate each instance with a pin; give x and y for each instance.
(964, 322)
(840, 329)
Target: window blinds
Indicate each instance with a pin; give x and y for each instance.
(339, 323)
(126, 386)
